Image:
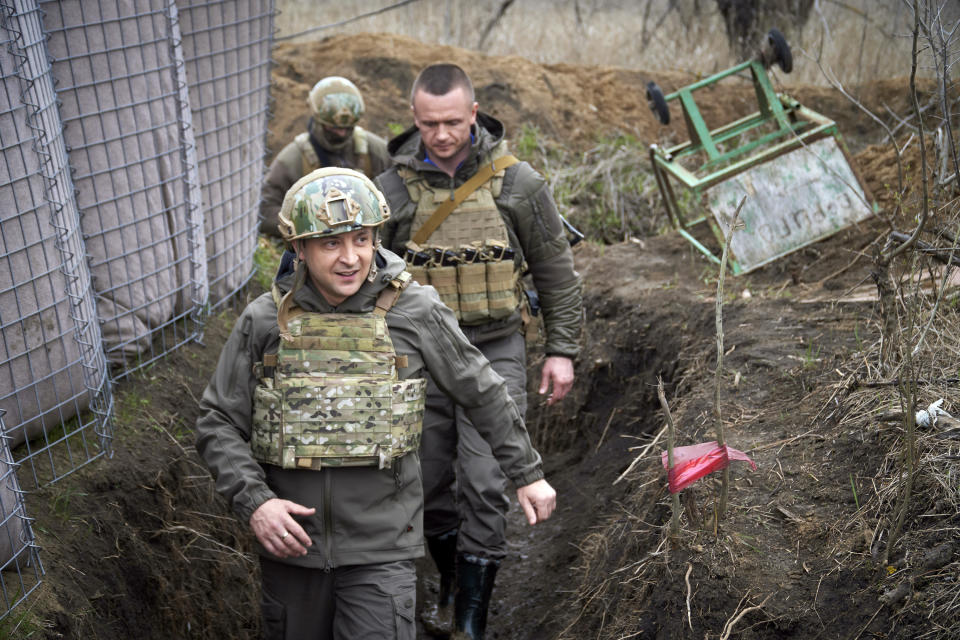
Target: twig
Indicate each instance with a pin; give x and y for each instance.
(607, 426)
(728, 627)
(898, 381)
(646, 450)
(868, 624)
(675, 522)
(716, 382)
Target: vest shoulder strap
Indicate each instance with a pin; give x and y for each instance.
(390, 294)
(307, 151)
(487, 171)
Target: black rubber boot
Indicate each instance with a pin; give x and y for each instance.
(475, 578)
(437, 618)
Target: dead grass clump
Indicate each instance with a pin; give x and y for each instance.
(914, 514)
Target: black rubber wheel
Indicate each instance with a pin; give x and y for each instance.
(657, 103)
(781, 50)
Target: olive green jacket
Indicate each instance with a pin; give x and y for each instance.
(530, 215)
(363, 514)
(288, 167)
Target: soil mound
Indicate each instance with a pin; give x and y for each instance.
(570, 104)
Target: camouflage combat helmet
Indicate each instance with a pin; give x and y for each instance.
(331, 200)
(336, 102)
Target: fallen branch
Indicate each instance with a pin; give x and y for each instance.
(645, 451)
(728, 627)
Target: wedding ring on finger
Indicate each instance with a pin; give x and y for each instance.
(284, 536)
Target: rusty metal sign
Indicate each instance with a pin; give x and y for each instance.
(798, 198)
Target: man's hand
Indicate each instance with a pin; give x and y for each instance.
(559, 371)
(538, 500)
(276, 529)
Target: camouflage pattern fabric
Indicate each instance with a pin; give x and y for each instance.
(336, 102)
(335, 398)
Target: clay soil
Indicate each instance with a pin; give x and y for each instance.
(141, 545)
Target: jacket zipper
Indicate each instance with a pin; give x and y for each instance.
(327, 521)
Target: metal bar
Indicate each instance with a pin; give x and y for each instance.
(711, 80)
(766, 96)
(750, 146)
(696, 243)
(696, 127)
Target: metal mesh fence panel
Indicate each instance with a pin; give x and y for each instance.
(117, 76)
(226, 46)
(20, 568)
(53, 382)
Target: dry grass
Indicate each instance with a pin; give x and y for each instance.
(919, 580)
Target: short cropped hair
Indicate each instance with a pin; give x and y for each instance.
(440, 79)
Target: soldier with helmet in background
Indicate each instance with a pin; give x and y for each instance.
(311, 422)
(332, 139)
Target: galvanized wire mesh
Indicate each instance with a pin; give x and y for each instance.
(54, 385)
(20, 567)
(116, 66)
(130, 195)
(226, 46)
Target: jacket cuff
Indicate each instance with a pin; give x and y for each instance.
(528, 477)
(244, 505)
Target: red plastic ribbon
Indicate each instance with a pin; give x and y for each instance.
(692, 462)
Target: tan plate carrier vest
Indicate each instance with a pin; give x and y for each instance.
(479, 291)
(335, 398)
(308, 155)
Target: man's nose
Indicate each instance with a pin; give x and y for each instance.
(348, 253)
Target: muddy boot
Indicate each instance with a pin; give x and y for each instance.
(474, 585)
(437, 617)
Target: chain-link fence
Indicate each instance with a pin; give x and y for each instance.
(132, 139)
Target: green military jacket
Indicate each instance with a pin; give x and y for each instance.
(531, 218)
(288, 167)
(363, 514)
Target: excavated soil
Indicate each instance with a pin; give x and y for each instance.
(141, 545)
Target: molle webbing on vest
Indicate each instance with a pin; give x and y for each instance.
(447, 206)
(335, 398)
(477, 284)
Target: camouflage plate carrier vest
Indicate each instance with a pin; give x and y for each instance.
(477, 291)
(334, 398)
(361, 147)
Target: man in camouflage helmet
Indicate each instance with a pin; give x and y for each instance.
(332, 139)
(471, 218)
(311, 421)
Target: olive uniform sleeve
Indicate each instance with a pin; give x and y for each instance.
(529, 210)
(223, 428)
(461, 371)
(284, 171)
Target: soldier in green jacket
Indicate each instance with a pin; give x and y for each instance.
(332, 139)
(311, 422)
(471, 218)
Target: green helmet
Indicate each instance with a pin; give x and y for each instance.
(331, 200)
(336, 102)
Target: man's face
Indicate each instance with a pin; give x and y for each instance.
(444, 122)
(338, 264)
